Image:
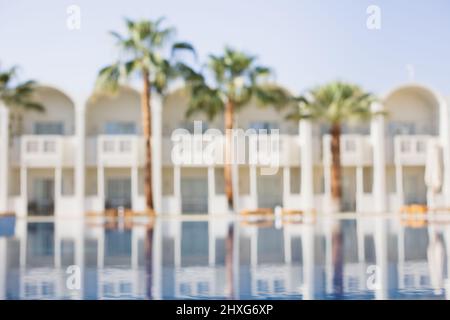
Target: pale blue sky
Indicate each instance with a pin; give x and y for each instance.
(307, 42)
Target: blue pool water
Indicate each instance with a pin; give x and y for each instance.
(223, 258)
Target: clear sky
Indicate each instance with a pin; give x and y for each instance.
(307, 42)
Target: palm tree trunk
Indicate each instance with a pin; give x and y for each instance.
(148, 246)
(229, 247)
(229, 115)
(337, 248)
(336, 190)
(147, 130)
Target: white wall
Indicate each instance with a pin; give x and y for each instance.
(58, 107)
(414, 106)
(122, 106)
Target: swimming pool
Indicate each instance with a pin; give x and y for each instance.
(189, 257)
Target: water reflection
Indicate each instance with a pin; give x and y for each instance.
(364, 258)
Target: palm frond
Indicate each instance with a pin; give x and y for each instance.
(183, 46)
(108, 78)
(335, 102)
(18, 95)
(232, 76)
(142, 51)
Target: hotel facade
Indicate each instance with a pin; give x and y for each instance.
(87, 155)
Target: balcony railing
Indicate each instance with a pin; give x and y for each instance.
(355, 150)
(190, 150)
(411, 149)
(44, 150)
(118, 150)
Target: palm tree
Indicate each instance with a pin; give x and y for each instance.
(335, 104)
(142, 55)
(233, 79)
(18, 96)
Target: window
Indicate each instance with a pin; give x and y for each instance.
(401, 128)
(120, 127)
(49, 127)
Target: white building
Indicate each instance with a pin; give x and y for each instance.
(85, 155)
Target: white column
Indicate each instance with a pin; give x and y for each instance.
(3, 268)
(80, 158)
(79, 253)
(359, 188)
(399, 183)
(326, 143)
(286, 186)
(287, 245)
(23, 191)
(235, 184)
(135, 248)
(446, 234)
(4, 147)
(211, 245)
(254, 186)
(381, 254)
(21, 234)
(157, 153)
(211, 189)
(379, 160)
(306, 153)
(177, 187)
(177, 245)
(308, 261)
(401, 256)
(101, 249)
(254, 248)
(236, 260)
(444, 131)
(57, 252)
(360, 240)
(329, 257)
(101, 185)
(58, 191)
(134, 187)
(327, 182)
(157, 260)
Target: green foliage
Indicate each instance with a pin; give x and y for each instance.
(17, 95)
(233, 76)
(142, 50)
(334, 103)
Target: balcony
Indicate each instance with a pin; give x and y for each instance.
(411, 149)
(355, 150)
(202, 150)
(286, 150)
(115, 150)
(43, 151)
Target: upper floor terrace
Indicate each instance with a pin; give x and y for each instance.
(415, 115)
(113, 130)
(44, 139)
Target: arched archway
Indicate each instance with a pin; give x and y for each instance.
(45, 173)
(412, 110)
(114, 149)
(415, 115)
(57, 118)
